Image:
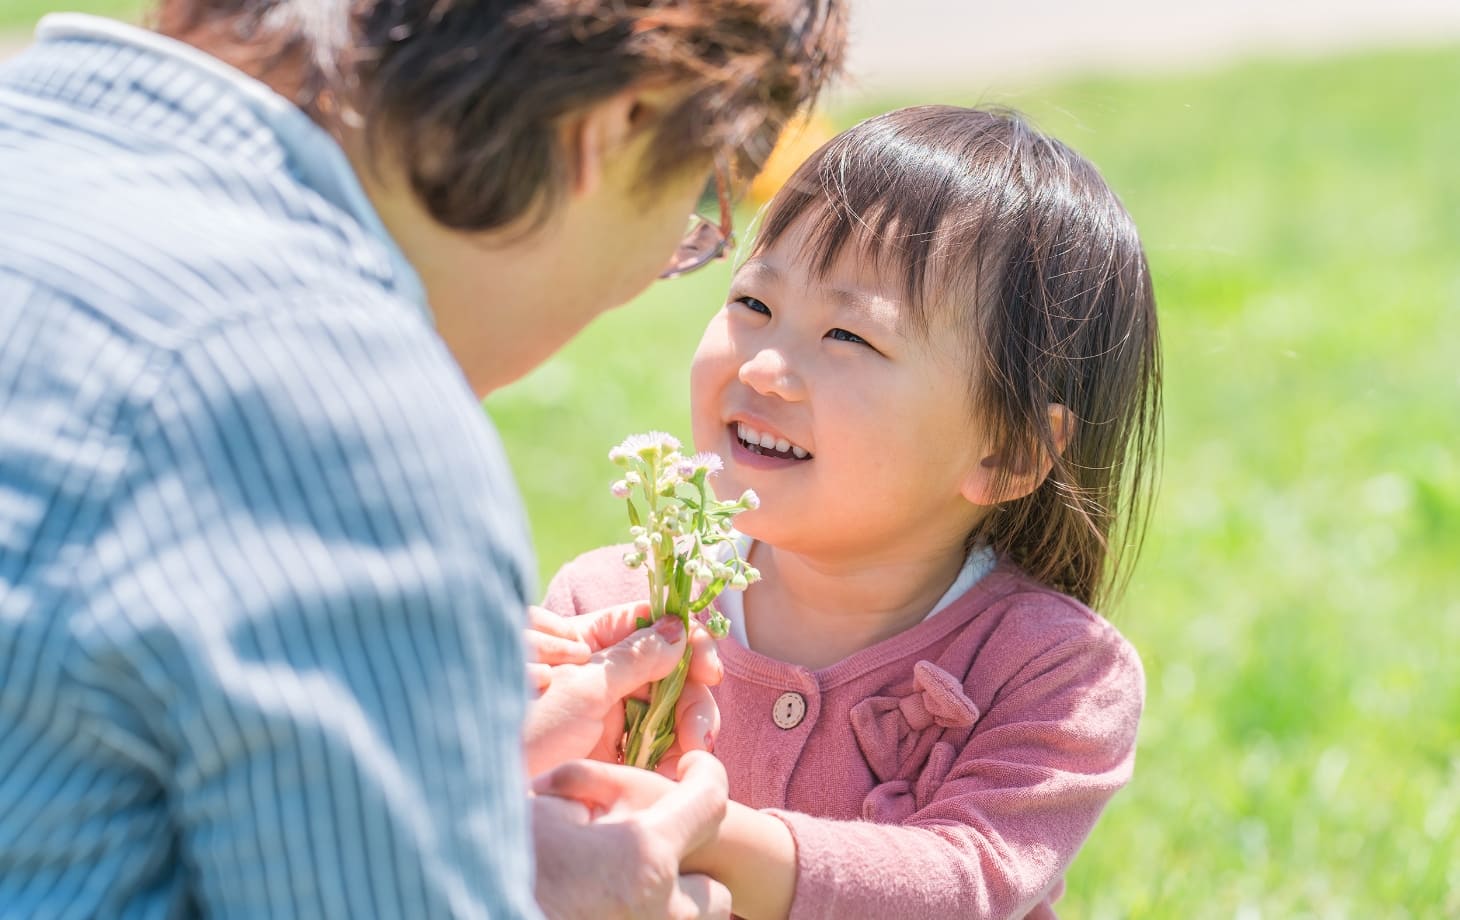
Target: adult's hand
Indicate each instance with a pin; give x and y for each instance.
(610, 839)
(585, 666)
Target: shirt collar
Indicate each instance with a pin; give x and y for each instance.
(315, 158)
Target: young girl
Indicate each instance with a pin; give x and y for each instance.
(938, 368)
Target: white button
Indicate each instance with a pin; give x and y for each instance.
(790, 709)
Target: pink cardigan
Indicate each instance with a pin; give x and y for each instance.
(952, 770)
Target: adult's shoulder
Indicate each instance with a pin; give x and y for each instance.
(163, 241)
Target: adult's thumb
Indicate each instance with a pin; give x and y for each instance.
(642, 657)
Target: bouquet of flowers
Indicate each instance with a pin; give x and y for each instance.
(682, 539)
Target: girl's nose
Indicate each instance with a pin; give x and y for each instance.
(768, 373)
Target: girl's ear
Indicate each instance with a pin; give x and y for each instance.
(594, 135)
(1002, 477)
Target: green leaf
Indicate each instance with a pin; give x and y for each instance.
(712, 591)
(662, 744)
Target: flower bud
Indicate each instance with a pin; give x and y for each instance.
(620, 489)
(718, 626)
(739, 582)
(642, 544)
(633, 560)
(749, 500)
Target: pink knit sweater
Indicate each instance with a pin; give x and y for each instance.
(952, 770)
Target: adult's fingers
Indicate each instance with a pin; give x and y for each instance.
(643, 657)
(549, 649)
(700, 897)
(602, 786)
(545, 621)
(539, 677)
(688, 815)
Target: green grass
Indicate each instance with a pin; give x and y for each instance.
(18, 17)
(1298, 607)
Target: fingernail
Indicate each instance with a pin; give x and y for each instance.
(670, 628)
(710, 742)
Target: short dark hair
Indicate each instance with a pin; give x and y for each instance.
(466, 94)
(1020, 241)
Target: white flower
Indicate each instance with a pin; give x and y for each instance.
(750, 500)
(709, 462)
(648, 445)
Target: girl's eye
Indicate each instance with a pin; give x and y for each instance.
(841, 335)
(754, 305)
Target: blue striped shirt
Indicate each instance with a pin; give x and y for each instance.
(261, 560)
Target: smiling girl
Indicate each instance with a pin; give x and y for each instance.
(938, 367)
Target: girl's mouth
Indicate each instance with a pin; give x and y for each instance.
(761, 444)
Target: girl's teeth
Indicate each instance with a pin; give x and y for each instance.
(768, 442)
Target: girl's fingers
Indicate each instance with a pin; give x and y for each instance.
(705, 667)
(611, 625)
(696, 719)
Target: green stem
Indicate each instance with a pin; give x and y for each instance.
(648, 747)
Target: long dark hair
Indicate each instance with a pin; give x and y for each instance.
(1021, 241)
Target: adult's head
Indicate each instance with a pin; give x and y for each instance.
(535, 159)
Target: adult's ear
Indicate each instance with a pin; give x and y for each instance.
(595, 135)
(1003, 476)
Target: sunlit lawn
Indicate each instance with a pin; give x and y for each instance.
(1298, 607)
(18, 17)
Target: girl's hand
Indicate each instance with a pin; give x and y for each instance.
(585, 666)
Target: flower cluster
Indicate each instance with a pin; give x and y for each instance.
(682, 537)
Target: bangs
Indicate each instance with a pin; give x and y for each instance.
(897, 195)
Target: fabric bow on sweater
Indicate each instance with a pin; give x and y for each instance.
(911, 741)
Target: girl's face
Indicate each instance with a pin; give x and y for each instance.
(855, 429)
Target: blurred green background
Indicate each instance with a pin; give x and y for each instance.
(1298, 603)
(1297, 606)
